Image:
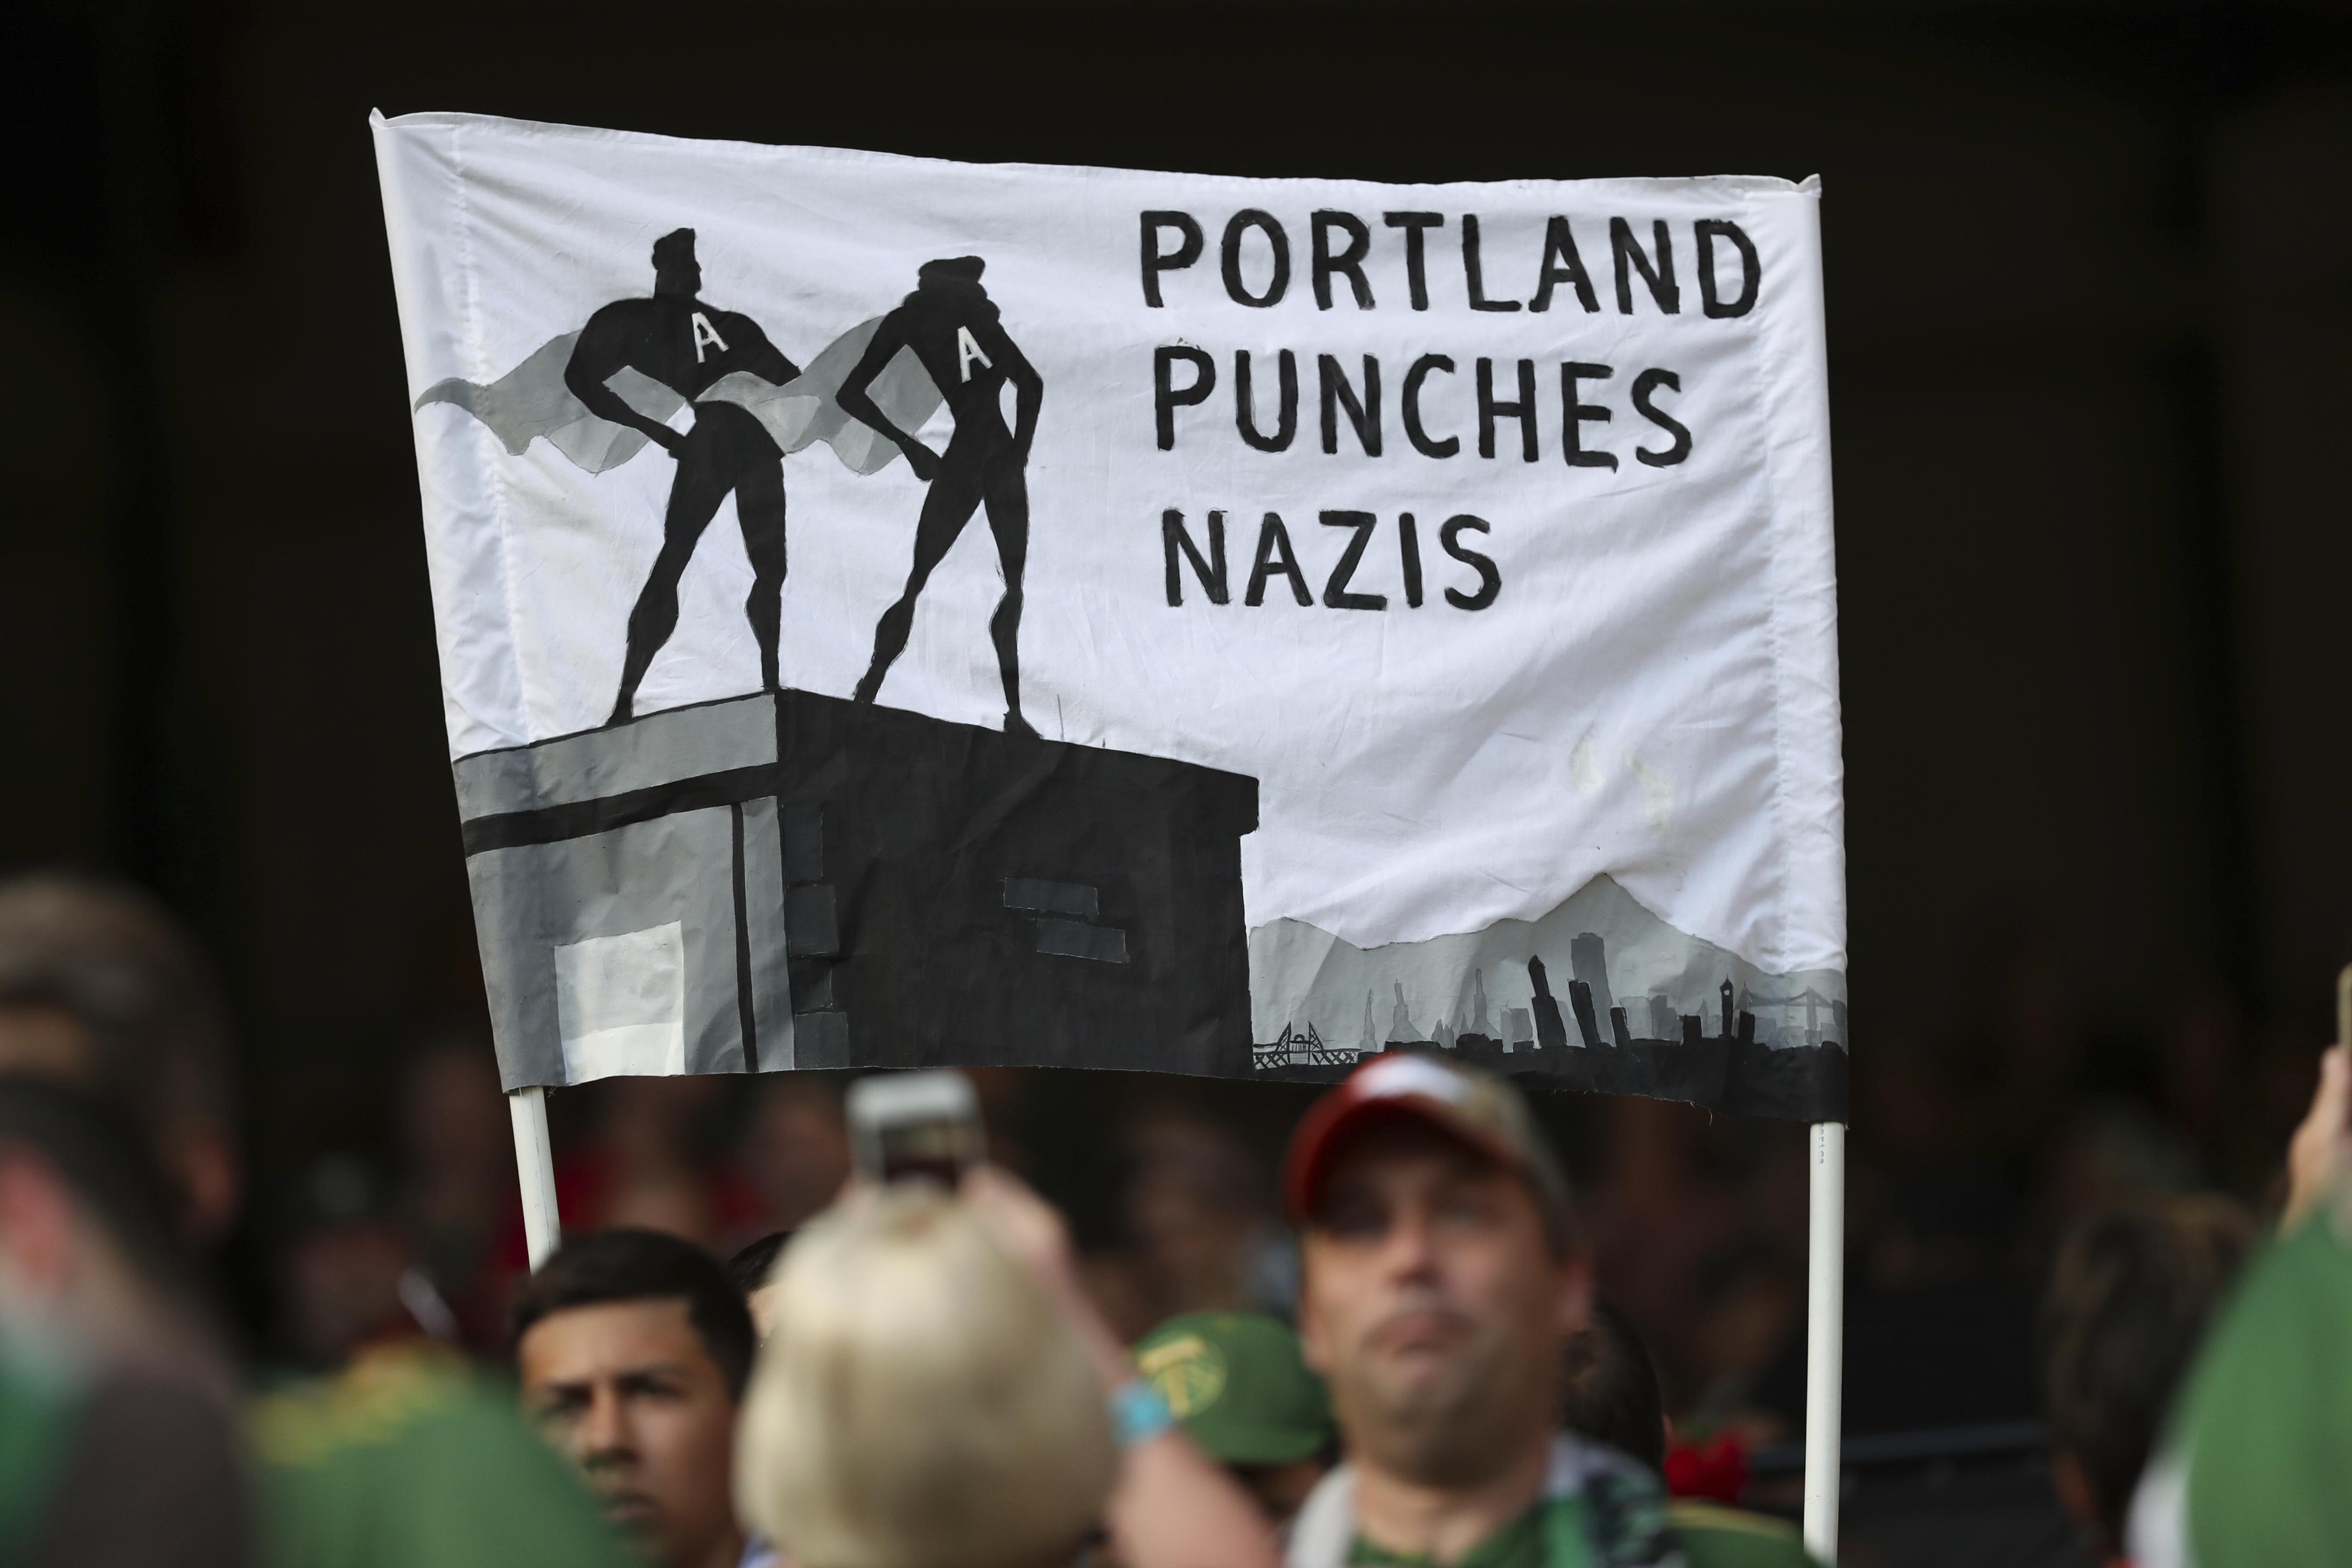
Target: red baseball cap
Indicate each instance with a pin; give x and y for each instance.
(1472, 1108)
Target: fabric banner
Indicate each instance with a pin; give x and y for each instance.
(899, 612)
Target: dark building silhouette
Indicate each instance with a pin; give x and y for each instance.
(1588, 958)
(1551, 1034)
(1663, 1022)
(1579, 1001)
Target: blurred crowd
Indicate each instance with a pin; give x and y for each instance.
(2044, 1221)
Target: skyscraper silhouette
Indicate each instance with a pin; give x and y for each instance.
(1551, 1032)
(1588, 959)
(1402, 1028)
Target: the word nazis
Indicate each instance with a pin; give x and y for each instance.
(1276, 561)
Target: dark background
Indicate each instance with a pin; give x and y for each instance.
(2090, 299)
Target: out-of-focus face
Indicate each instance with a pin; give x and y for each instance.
(51, 1043)
(627, 1391)
(47, 1042)
(1434, 1306)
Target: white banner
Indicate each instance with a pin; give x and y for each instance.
(1486, 528)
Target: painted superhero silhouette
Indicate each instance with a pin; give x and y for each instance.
(951, 325)
(676, 340)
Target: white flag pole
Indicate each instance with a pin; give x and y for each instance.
(535, 1163)
(1825, 1340)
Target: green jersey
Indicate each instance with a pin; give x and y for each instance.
(2253, 1474)
(1713, 1536)
(37, 1427)
(1599, 1510)
(405, 1461)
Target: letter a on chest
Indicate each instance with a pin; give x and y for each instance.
(968, 351)
(705, 335)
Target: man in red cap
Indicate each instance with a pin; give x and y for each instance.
(1444, 1276)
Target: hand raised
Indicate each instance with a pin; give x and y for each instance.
(2321, 1150)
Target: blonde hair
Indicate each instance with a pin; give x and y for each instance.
(919, 1402)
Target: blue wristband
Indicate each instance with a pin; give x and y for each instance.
(1139, 1413)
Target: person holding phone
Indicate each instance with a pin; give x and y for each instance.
(974, 1407)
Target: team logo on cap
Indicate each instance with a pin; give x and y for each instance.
(1188, 1370)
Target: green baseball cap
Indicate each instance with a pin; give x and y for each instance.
(1238, 1384)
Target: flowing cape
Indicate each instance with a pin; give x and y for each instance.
(532, 402)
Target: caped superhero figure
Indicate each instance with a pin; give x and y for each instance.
(951, 325)
(676, 340)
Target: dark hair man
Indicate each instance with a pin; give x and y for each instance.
(1444, 1278)
(632, 1349)
(1608, 1389)
(689, 346)
(102, 990)
(951, 325)
(2130, 1296)
(1610, 1394)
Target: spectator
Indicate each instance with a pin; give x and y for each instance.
(633, 1348)
(1203, 1237)
(752, 1270)
(934, 1395)
(2252, 1472)
(2129, 1299)
(457, 1194)
(795, 1148)
(1246, 1398)
(1610, 1394)
(100, 988)
(400, 1461)
(403, 1460)
(920, 1406)
(117, 1437)
(1608, 1389)
(1444, 1277)
(348, 1272)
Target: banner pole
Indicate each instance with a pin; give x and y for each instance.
(535, 1164)
(1825, 1340)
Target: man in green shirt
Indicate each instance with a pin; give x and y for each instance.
(1444, 1277)
(404, 1460)
(1246, 1398)
(2253, 1473)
